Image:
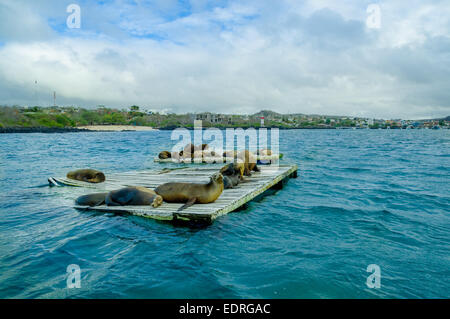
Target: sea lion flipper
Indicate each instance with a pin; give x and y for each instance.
(189, 203)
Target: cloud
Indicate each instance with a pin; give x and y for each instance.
(288, 56)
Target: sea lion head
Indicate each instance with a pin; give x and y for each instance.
(71, 175)
(217, 178)
(227, 169)
(99, 177)
(157, 201)
(165, 155)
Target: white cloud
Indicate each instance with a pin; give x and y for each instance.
(312, 57)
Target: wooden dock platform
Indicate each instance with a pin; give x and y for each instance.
(217, 159)
(230, 199)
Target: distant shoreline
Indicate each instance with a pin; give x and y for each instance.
(89, 128)
(130, 128)
(4, 130)
(115, 128)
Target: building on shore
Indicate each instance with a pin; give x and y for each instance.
(214, 118)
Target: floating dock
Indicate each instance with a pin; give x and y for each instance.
(269, 159)
(230, 200)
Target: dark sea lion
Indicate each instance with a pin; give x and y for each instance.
(95, 199)
(233, 169)
(232, 174)
(191, 193)
(249, 160)
(230, 181)
(133, 196)
(87, 175)
(165, 155)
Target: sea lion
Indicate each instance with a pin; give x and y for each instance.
(232, 174)
(95, 199)
(191, 193)
(230, 182)
(165, 155)
(231, 154)
(133, 196)
(175, 156)
(188, 151)
(210, 156)
(87, 175)
(198, 155)
(249, 160)
(265, 152)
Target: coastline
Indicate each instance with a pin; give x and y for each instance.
(5, 130)
(89, 128)
(116, 128)
(130, 128)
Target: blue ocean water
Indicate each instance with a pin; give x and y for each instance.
(362, 197)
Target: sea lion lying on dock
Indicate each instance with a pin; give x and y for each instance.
(95, 199)
(191, 193)
(232, 174)
(133, 196)
(164, 155)
(265, 152)
(87, 175)
(249, 160)
(193, 151)
(128, 196)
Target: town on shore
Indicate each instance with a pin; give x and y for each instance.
(55, 118)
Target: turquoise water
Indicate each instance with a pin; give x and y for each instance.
(362, 197)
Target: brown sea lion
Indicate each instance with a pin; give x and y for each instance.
(165, 155)
(191, 193)
(249, 160)
(191, 149)
(87, 175)
(188, 151)
(95, 199)
(133, 196)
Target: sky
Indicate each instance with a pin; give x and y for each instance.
(312, 57)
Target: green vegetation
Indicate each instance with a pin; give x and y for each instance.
(64, 117)
(71, 117)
